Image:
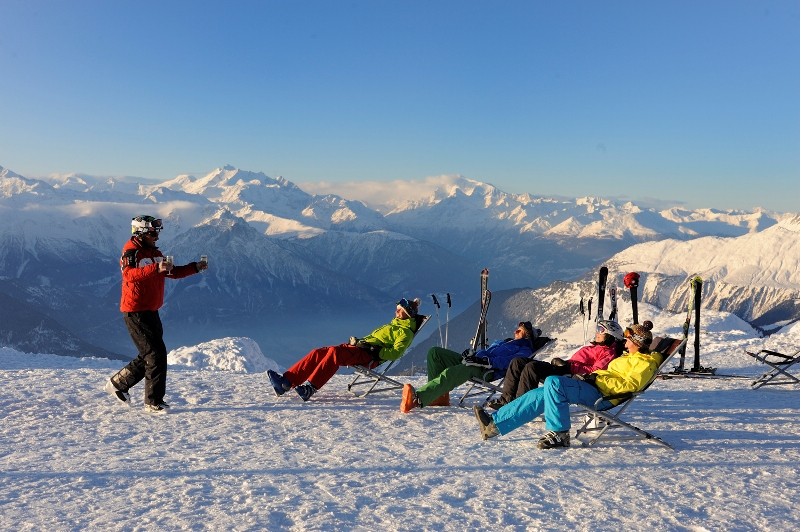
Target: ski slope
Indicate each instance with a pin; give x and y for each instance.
(231, 456)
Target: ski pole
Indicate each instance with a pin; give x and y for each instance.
(583, 319)
(438, 323)
(447, 320)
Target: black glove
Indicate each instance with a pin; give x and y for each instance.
(559, 362)
(588, 378)
(467, 352)
(373, 350)
(480, 362)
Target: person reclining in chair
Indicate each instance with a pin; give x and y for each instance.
(524, 374)
(387, 342)
(448, 369)
(628, 373)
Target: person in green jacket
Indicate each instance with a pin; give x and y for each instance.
(387, 342)
(628, 373)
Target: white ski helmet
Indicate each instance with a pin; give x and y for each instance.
(146, 224)
(611, 327)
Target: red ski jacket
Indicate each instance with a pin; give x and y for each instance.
(142, 284)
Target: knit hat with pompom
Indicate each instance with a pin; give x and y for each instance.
(640, 334)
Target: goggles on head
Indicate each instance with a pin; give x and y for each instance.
(405, 304)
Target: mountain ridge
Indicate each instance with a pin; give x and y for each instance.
(287, 252)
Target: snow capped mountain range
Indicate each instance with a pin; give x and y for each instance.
(278, 252)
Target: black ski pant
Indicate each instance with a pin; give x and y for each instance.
(151, 364)
(524, 374)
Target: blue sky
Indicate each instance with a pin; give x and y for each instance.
(693, 102)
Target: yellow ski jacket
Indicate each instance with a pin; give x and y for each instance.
(628, 373)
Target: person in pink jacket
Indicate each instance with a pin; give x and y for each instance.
(524, 374)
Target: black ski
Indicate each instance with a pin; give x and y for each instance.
(601, 292)
(612, 294)
(632, 283)
(697, 287)
(486, 298)
(479, 342)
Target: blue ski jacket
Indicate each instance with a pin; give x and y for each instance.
(502, 352)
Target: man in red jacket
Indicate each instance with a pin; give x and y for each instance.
(143, 272)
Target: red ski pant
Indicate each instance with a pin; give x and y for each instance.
(321, 364)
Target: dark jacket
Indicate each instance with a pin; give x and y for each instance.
(502, 352)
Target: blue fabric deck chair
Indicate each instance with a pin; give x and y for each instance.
(606, 424)
(488, 386)
(779, 364)
(376, 378)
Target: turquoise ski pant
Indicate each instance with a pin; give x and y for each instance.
(553, 400)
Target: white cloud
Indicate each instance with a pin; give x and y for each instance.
(378, 193)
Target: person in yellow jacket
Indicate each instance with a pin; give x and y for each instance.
(628, 373)
(387, 342)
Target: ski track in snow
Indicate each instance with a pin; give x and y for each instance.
(231, 456)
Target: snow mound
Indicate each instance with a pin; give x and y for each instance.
(225, 354)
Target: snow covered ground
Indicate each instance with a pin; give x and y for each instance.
(231, 456)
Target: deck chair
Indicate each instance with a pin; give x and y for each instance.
(488, 386)
(780, 365)
(606, 424)
(372, 377)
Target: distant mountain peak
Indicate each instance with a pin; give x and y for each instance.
(792, 223)
(5, 172)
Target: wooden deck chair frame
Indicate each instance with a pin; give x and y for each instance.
(606, 424)
(483, 385)
(372, 377)
(780, 365)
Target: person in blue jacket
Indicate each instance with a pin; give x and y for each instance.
(449, 369)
